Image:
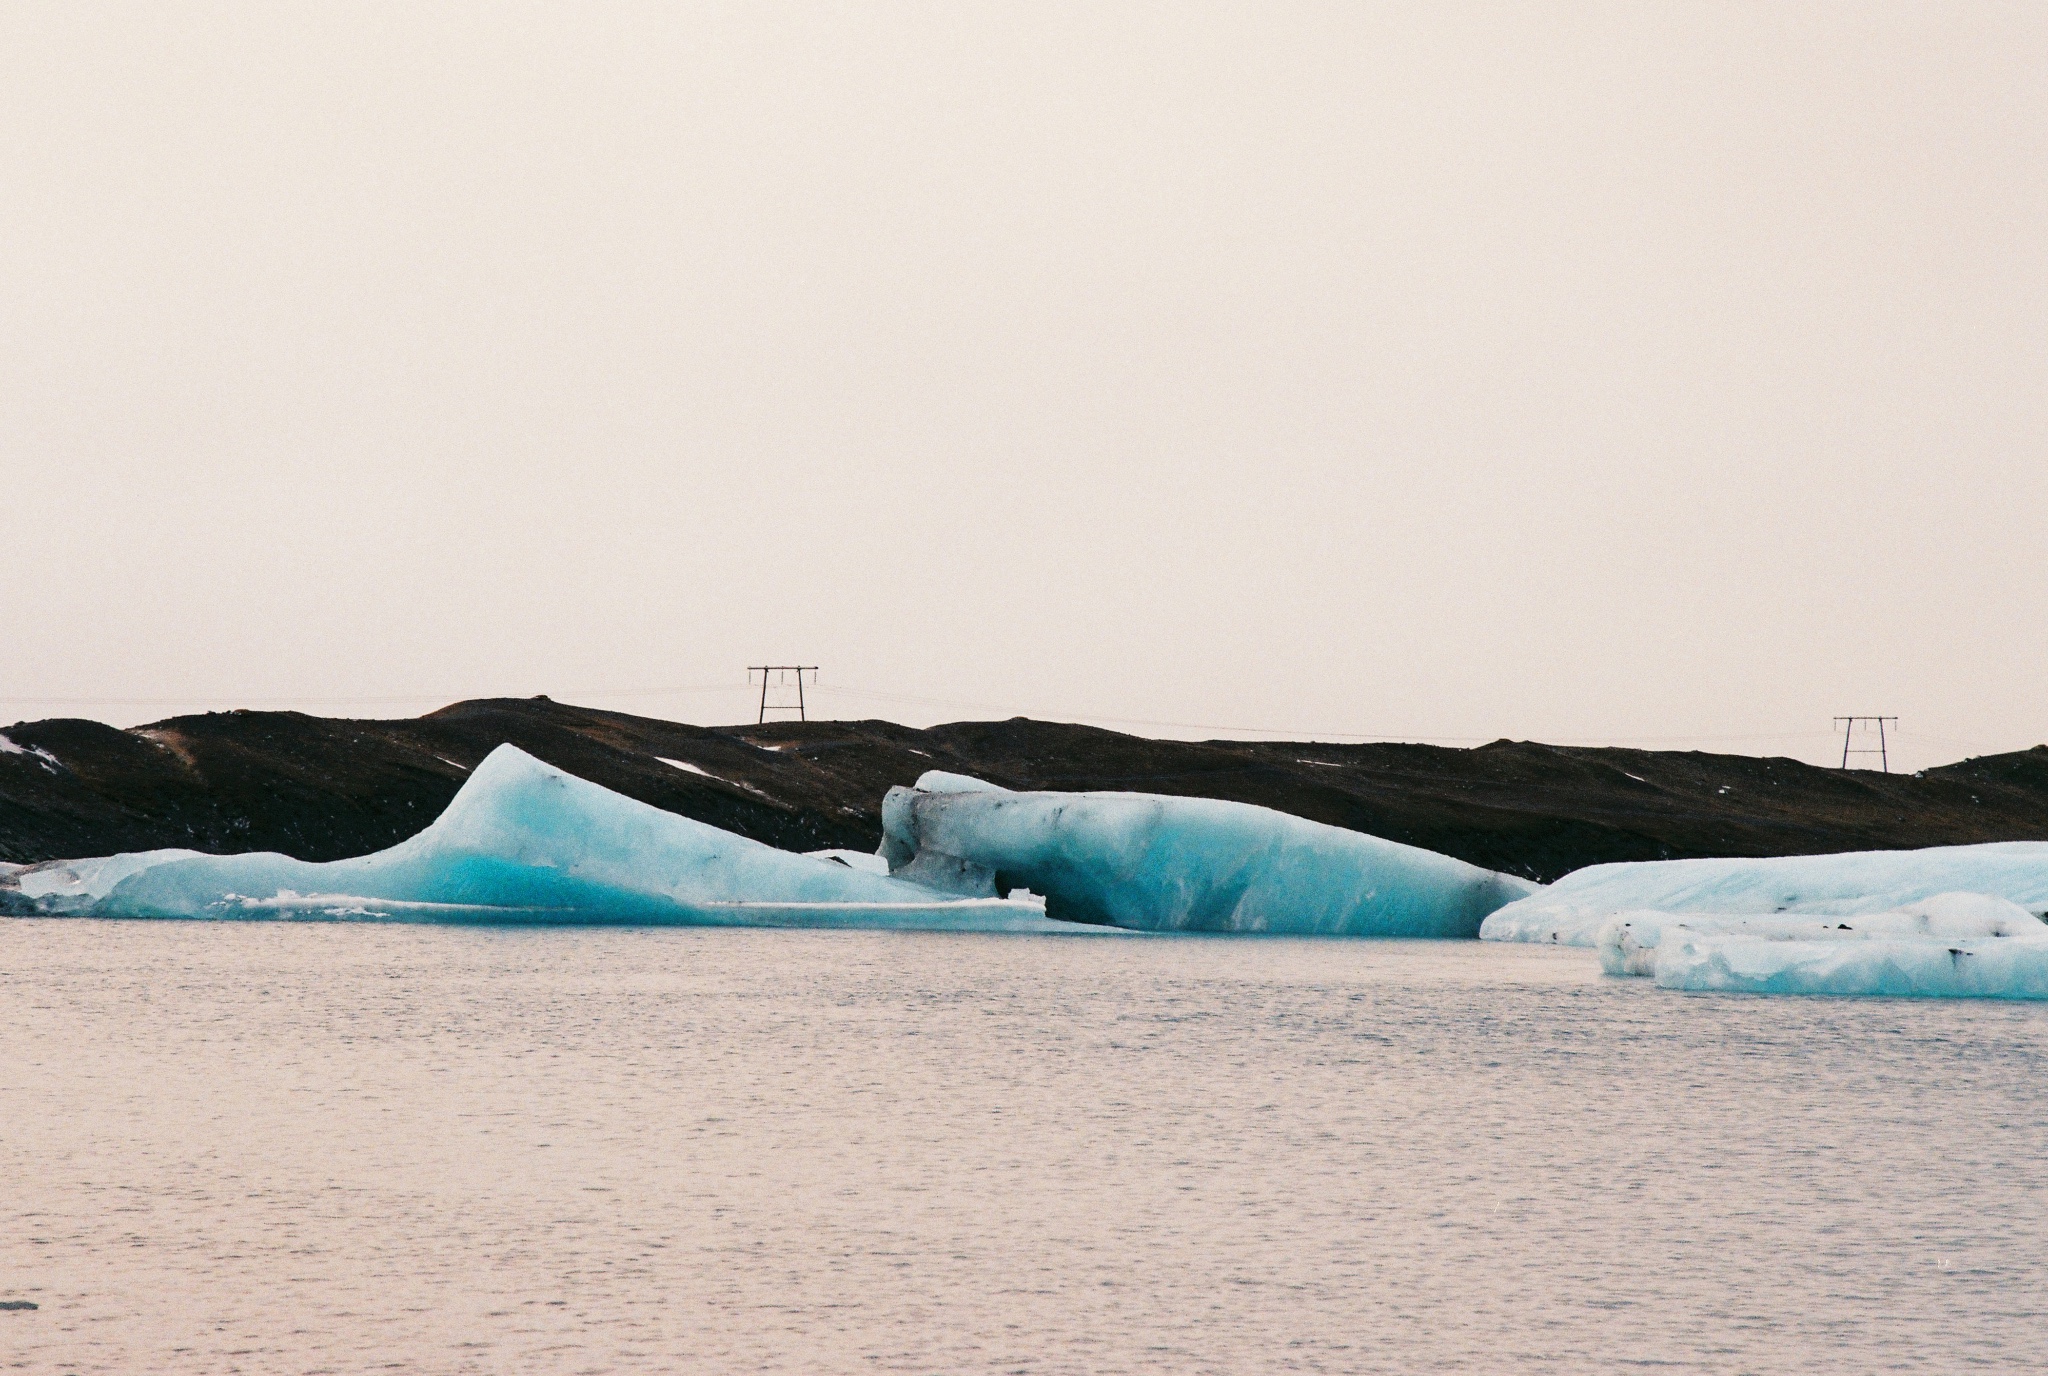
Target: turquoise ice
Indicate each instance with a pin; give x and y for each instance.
(525, 842)
(1156, 863)
(521, 842)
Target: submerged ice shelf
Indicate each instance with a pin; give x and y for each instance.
(522, 841)
(1157, 863)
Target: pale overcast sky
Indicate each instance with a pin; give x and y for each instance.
(1648, 373)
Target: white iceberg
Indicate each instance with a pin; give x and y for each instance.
(1156, 863)
(521, 842)
(1898, 967)
(1573, 911)
(1629, 944)
(1958, 945)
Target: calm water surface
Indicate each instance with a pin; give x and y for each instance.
(276, 1148)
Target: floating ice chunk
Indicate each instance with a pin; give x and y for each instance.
(521, 842)
(1182, 864)
(939, 781)
(1903, 967)
(1629, 944)
(74, 886)
(1572, 911)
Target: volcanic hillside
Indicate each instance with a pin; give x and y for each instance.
(319, 789)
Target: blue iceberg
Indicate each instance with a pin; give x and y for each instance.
(1153, 863)
(521, 842)
(1574, 910)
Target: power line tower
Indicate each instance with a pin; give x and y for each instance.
(1848, 725)
(779, 675)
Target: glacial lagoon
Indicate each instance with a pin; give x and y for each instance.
(336, 1147)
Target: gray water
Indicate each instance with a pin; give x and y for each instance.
(282, 1148)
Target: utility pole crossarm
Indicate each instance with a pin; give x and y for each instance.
(1848, 726)
(778, 674)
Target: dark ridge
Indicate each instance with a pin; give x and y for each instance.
(320, 789)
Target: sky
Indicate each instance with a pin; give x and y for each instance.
(1670, 375)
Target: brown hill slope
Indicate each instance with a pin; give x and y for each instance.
(320, 789)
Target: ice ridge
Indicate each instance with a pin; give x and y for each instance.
(1151, 862)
